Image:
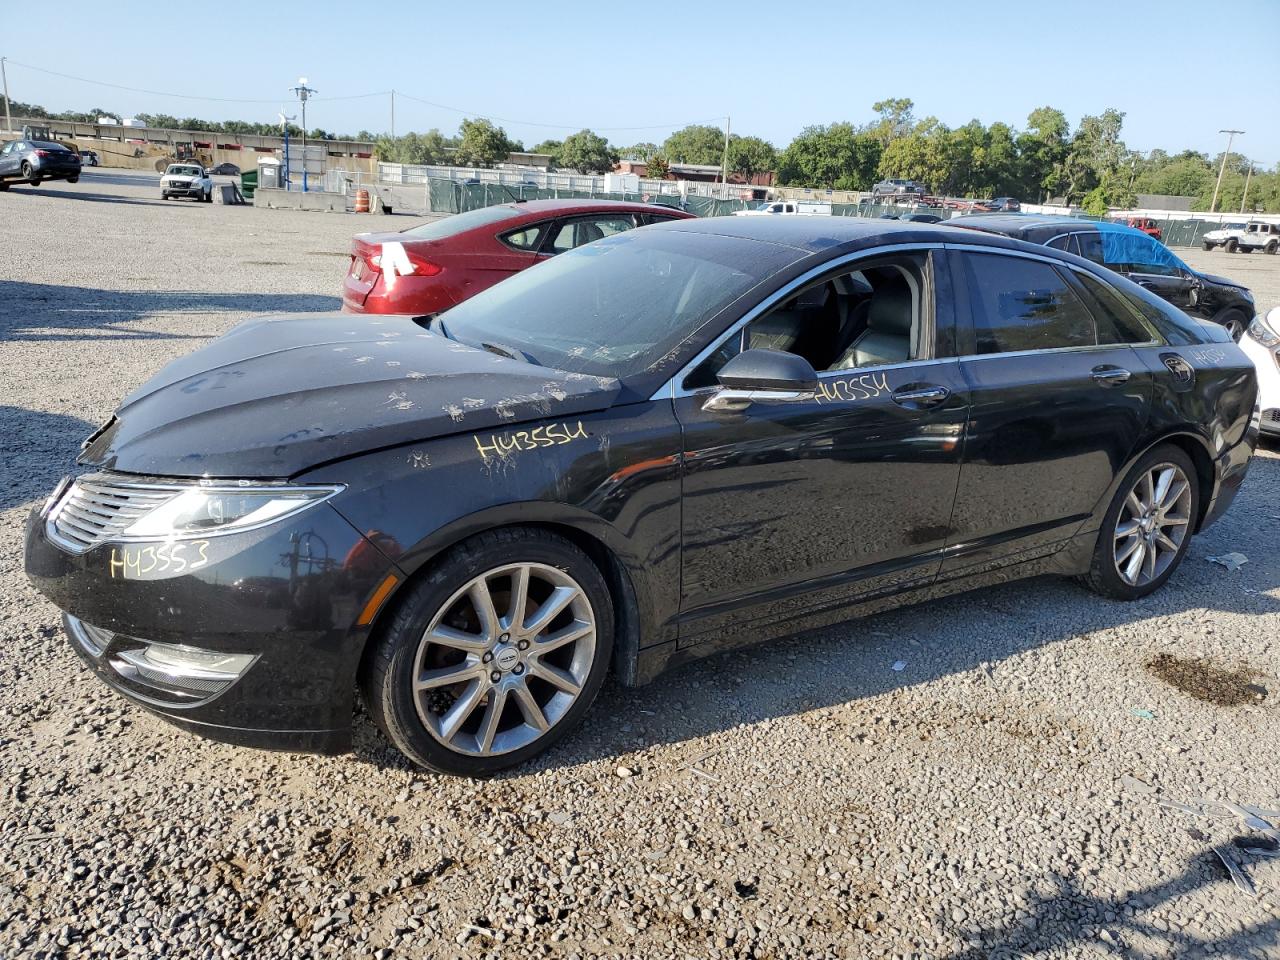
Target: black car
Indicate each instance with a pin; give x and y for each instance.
(1004, 205)
(1135, 255)
(912, 217)
(667, 443)
(225, 170)
(33, 161)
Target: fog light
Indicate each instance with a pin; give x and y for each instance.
(180, 670)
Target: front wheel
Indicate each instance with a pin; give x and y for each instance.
(1147, 529)
(1234, 322)
(1230, 246)
(1208, 246)
(208, 196)
(494, 656)
(1273, 246)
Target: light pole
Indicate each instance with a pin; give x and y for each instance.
(1231, 135)
(303, 92)
(8, 118)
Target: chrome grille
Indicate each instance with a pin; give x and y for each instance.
(98, 507)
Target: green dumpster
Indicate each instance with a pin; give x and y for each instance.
(248, 184)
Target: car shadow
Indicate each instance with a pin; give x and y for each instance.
(855, 660)
(70, 192)
(45, 311)
(38, 449)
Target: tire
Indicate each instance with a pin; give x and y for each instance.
(432, 726)
(1230, 246)
(1208, 246)
(73, 179)
(1272, 247)
(1112, 572)
(164, 196)
(3, 186)
(1234, 321)
(28, 172)
(208, 196)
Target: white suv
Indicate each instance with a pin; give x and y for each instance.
(186, 180)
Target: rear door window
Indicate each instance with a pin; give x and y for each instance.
(569, 234)
(1089, 246)
(1116, 322)
(1020, 304)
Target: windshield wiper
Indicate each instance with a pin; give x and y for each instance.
(511, 353)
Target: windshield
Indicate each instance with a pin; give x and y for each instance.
(178, 171)
(612, 308)
(452, 226)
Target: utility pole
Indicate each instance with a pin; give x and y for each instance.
(1247, 177)
(724, 161)
(8, 117)
(303, 93)
(393, 114)
(1231, 135)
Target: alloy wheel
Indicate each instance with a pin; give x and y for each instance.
(504, 659)
(1153, 523)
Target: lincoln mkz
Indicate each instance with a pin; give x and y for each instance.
(667, 443)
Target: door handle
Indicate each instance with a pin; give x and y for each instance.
(920, 395)
(1109, 375)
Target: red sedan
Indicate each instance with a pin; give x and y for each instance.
(432, 267)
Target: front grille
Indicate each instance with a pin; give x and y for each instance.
(1272, 415)
(97, 508)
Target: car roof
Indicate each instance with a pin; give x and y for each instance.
(821, 234)
(1026, 226)
(543, 207)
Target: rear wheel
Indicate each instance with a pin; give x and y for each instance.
(1147, 529)
(73, 179)
(3, 186)
(494, 656)
(29, 173)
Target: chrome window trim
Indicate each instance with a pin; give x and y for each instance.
(1047, 351)
(672, 389)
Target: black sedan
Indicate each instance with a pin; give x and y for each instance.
(1132, 253)
(664, 444)
(32, 161)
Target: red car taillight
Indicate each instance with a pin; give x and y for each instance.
(422, 267)
(42, 153)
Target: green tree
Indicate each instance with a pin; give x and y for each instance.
(639, 151)
(1095, 154)
(481, 144)
(695, 144)
(836, 155)
(551, 148)
(1042, 149)
(657, 168)
(749, 156)
(588, 152)
(895, 121)
(925, 155)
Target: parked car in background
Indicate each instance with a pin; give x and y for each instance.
(1004, 205)
(1226, 236)
(89, 158)
(1261, 344)
(898, 188)
(225, 170)
(186, 180)
(432, 267)
(1135, 255)
(912, 217)
(1259, 236)
(33, 161)
(788, 208)
(1146, 225)
(669, 443)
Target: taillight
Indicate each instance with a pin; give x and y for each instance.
(42, 153)
(419, 266)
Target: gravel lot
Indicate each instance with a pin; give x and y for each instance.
(997, 796)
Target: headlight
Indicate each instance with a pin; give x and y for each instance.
(1261, 331)
(208, 511)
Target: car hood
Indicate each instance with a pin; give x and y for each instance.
(1222, 281)
(277, 396)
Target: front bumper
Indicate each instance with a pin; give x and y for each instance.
(289, 595)
(182, 191)
(1266, 361)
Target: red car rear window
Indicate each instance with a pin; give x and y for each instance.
(462, 222)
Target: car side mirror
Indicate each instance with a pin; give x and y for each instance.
(762, 376)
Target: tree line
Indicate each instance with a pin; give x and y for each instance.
(1089, 166)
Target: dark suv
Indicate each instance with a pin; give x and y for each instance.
(1134, 254)
(36, 160)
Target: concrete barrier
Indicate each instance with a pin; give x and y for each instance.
(276, 199)
(228, 193)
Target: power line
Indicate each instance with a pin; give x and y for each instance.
(178, 96)
(360, 96)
